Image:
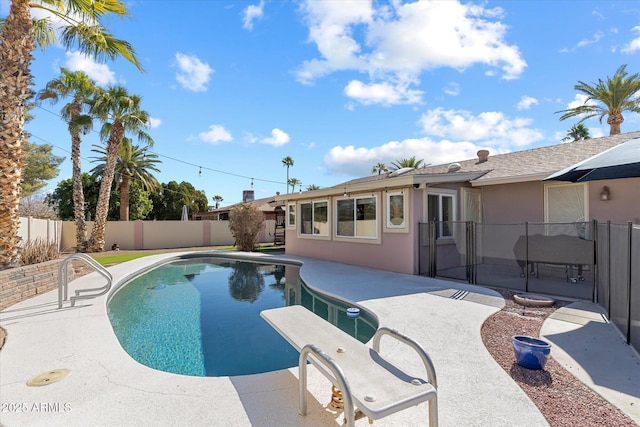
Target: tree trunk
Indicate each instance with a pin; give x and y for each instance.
(96, 241)
(614, 121)
(78, 191)
(124, 197)
(17, 43)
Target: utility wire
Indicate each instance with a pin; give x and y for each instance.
(200, 168)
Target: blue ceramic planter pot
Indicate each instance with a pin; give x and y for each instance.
(531, 353)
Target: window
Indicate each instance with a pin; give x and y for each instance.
(395, 210)
(313, 218)
(440, 208)
(566, 204)
(357, 217)
(291, 215)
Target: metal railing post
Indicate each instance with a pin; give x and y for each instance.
(343, 385)
(629, 270)
(526, 256)
(63, 279)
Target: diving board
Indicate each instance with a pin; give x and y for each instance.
(367, 381)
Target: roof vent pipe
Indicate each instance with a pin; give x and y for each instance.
(453, 167)
(483, 156)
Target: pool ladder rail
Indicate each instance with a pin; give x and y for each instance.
(63, 279)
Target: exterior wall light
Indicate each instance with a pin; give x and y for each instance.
(604, 194)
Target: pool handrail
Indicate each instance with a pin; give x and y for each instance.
(63, 279)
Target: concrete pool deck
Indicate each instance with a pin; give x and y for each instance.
(106, 387)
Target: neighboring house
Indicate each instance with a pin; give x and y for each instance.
(273, 215)
(267, 205)
(374, 221)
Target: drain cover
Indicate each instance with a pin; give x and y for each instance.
(48, 377)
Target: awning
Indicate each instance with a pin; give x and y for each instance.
(621, 161)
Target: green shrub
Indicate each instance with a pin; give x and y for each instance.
(245, 223)
(39, 250)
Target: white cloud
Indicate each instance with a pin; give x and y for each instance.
(154, 122)
(100, 73)
(596, 38)
(354, 161)
(579, 100)
(452, 89)
(526, 102)
(384, 93)
(404, 39)
(193, 74)
(215, 134)
(633, 45)
(491, 128)
(251, 13)
(277, 138)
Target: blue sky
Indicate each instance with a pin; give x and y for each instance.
(234, 87)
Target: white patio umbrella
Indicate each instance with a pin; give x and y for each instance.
(185, 213)
(621, 161)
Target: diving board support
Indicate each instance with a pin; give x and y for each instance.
(366, 379)
(343, 386)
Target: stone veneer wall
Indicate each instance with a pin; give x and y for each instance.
(21, 283)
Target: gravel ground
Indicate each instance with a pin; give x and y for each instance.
(563, 399)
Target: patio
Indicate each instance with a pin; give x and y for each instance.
(106, 387)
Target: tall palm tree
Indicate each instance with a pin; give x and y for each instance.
(120, 113)
(80, 88)
(613, 96)
(577, 132)
(407, 163)
(293, 182)
(288, 162)
(379, 167)
(312, 187)
(217, 199)
(82, 28)
(135, 163)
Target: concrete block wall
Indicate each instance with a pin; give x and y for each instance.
(21, 283)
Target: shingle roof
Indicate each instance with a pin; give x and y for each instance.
(265, 204)
(521, 164)
(536, 161)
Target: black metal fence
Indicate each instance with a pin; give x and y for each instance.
(585, 260)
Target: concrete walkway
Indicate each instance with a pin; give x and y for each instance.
(106, 387)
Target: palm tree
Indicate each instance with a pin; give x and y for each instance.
(379, 167)
(288, 162)
(82, 28)
(80, 87)
(217, 199)
(135, 163)
(577, 132)
(613, 97)
(120, 113)
(293, 182)
(312, 187)
(407, 163)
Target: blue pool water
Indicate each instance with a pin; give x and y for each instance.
(201, 316)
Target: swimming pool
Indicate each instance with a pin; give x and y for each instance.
(200, 316)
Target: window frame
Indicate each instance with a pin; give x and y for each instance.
(388, 224)
(291, 211)
(442, 193)
(355, 199)
(313, 204)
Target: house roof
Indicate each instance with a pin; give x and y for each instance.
(519, 166)
(526, 165)
(265, 204)
(533, 164)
